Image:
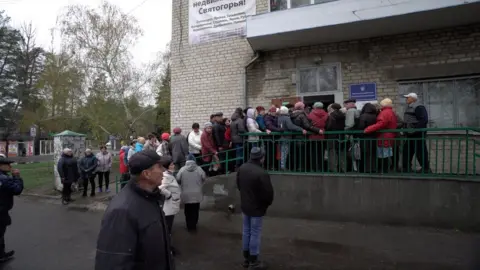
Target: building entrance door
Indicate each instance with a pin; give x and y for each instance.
(325, 99)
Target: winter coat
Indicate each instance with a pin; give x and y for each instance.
(179, 148)
(104, 162)
(271, 123)
(261, 122)
(300, 119)
(194, 143)
(67, 168)
(163, 149)
(237, 127)
(351, 118)
(219, 134)
(252, 125)
(228, 135)
(151, 146)
(285, 124)
(208, 146)
(134, 234)
(336, 122)
(256, 190)
(171, 190)
(319, 118)
(123, 165)
(87, 166)
(368, 117)
(138, 147)
(131, 152)
(386, 119)
(9, 186)
(191, 179)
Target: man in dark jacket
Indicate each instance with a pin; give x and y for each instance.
(9, 186)
(87, 166)
(271, 123)
(237, 128)
(179, 148)
(67, 168)
(133, 234)
(256, 195)
(218, 132)
(415, 117)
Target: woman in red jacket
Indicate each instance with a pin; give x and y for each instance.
(386, 119)
(209, 149)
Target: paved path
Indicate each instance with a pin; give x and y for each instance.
(48, 236)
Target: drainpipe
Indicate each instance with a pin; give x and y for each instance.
(245, 86)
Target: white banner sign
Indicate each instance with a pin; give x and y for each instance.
(211, 20)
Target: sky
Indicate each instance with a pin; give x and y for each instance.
(154, 17)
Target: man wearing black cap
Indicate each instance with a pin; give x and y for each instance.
(256, 195)
(9, 186)
(133, 233)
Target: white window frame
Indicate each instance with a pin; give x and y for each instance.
(338, 94)
(289, 3)
(425, 94)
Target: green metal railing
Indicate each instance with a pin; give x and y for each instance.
(451, 152)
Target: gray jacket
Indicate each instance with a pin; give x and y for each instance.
(286, 124)
(179, 148)
(191, 178)
(350, 117)
(104, 162)
(237, 127)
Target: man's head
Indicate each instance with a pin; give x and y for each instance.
(195, 127)
(349, 103)
(257, 154)
(5, 164)
(148, 167)
(88, 152)
(177, 130)
(218, 117)
(67, 152)
(208, 127)
(132, 143)
(411, 98)
(151, 137)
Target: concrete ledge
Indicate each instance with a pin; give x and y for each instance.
(437, 202)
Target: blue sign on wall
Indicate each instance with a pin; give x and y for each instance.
(363, 91)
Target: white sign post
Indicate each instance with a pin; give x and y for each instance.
(211, 20)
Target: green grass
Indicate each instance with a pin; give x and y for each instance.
(41, 176)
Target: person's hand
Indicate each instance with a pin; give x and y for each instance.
(16, 172)
(304, 132)
(268, 131)
(220, 148)
(320, 131)
(230, 145)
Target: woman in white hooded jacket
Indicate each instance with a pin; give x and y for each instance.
(252, 126)
(171, 190)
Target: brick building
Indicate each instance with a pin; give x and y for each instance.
(318, 49)
(297, 49)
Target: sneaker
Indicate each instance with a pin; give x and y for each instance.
(100, 190)
(107, 190)
(65, 201)
(7, 256)
(257, 265)
(246, 261)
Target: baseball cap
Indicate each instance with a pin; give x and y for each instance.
(412, 95)
(144, 160)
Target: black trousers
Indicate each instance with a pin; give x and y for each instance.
(3, 229)
(191, 211)
(91, 179)
(101, 176)
(415, 145)
(169, 221)
(67, 190)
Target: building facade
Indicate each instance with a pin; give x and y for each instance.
(326, 50)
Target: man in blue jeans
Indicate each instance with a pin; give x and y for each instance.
(256, 195)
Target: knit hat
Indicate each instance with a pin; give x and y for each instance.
(257, 153)
(177, 130)
(207, 124)
(299, 106)
(191, 157)
(272, 109)
(318, 105)
(165, 136)
(283, 110)
(260, 108)
(386, 102)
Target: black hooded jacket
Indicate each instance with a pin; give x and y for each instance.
(237, 127)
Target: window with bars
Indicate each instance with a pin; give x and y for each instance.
(453, 102)
(320, 79)
(276, 5)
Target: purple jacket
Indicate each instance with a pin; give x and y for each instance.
(271, 123)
